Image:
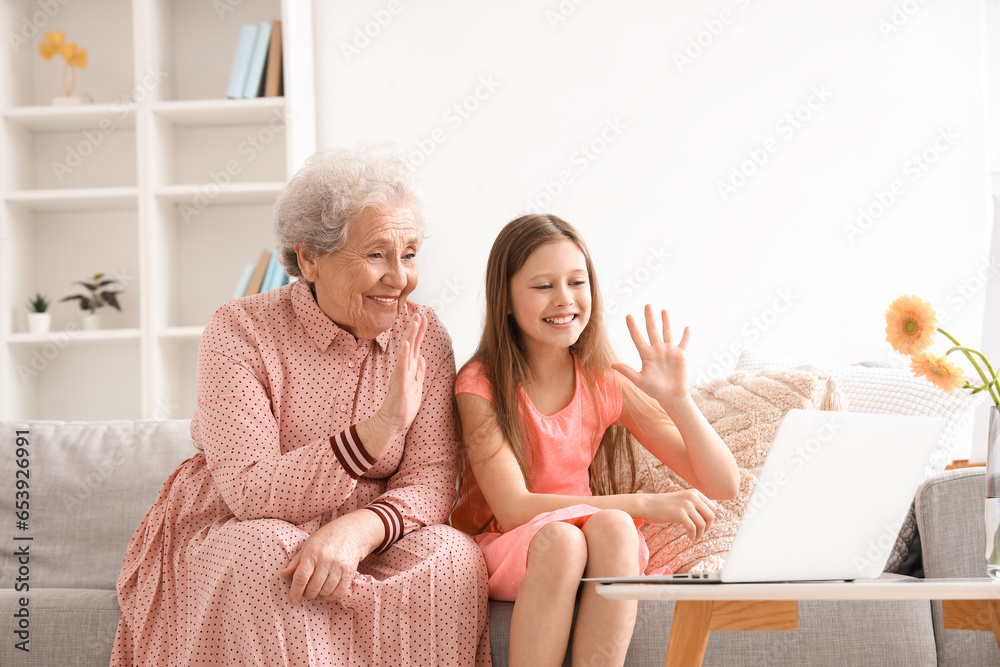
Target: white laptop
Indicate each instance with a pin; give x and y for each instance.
(829, 501)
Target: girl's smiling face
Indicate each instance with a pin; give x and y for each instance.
(550, 296)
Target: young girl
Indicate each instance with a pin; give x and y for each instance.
(546, 414)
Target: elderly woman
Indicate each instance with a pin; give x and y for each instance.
(306, 530)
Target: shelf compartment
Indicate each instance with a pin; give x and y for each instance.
(76, 199)
(196, 41)
(99, 152)
(102, 27)
(53, 249)
(90, 382)
(200, 260)
(235, 153)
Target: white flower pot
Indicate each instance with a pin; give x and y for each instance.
(91, 322)
(39, 323)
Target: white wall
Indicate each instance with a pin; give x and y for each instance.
(773, 264)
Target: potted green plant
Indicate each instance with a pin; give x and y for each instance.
(39, 319)
(102, 292)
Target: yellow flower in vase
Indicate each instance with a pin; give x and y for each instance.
(76, 58)
(52, 45)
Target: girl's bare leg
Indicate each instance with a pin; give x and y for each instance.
(604, 627)
(543, 611)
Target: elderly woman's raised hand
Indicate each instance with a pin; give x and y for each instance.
(405, 384)
(403, 395)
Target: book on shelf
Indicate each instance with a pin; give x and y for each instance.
(241, 62)
(272, 272)
(255, 72)
(273, 78)
(276, 277)
(280, 279)
(257, 279)
(241, 286)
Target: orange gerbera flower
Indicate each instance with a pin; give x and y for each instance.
(52, 45)
(938, 370)
(910, 324)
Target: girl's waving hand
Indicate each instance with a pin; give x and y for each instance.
(664, 365)
(685, 442)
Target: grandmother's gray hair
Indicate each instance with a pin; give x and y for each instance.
(333, 187)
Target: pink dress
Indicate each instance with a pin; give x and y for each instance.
(562, 445)
(280, 387)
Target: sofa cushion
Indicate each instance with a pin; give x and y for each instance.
(68, 627)
(90, 484)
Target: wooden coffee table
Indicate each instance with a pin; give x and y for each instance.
(967, 604)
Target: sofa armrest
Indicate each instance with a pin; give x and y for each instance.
(950, 518)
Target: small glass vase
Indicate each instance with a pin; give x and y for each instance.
(993, 495)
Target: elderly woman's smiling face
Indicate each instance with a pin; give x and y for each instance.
(363, 286)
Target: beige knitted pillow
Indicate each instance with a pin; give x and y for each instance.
(745, 409)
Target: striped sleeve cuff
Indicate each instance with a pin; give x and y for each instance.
(351, 453)
(392, 520)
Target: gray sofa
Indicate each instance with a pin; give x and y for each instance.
(89, 485)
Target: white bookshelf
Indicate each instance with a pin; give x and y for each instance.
(160, 181)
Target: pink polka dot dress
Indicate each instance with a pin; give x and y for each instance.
(280, 387)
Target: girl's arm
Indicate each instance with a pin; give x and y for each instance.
(688, 446)
(499, 477)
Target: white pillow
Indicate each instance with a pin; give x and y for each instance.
(893, 391)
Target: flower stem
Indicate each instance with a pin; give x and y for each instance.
(986, 384)
(69, 85)
(968, 352)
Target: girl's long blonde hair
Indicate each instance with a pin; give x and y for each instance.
(506, 367)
